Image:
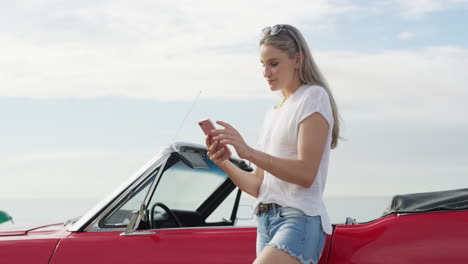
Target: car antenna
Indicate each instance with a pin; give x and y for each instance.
(186, 115)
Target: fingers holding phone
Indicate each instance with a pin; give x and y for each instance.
(207, 126)
(217, 153)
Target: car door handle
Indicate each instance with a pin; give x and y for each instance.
(137, 233)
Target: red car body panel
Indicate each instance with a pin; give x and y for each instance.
(198, 245)
(53, 244)
(31, 246)
(437, 237)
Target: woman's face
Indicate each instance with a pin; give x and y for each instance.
(278, 69)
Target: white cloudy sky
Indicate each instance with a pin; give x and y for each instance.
(90, 90)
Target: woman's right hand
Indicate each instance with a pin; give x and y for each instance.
(216, 152)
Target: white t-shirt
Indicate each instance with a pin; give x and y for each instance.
(278, 137)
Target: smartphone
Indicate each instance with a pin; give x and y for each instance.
(206, 125)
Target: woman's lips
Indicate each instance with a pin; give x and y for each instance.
(270, 81)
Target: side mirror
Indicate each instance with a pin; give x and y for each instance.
(132, 226)
(245, 212)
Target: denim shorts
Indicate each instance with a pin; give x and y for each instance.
(289, 229)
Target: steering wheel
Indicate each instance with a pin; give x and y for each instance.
(168, 211)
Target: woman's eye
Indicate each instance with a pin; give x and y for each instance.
(271, 64)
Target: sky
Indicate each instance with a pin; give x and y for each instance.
(91, 90)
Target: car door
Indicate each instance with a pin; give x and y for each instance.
(425, 238)
(194, 195)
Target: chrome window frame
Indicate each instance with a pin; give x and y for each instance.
(95, 225)
(88, 220)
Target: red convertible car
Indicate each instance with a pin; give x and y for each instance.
(181, 208)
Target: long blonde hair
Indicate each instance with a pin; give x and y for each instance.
(291, 41)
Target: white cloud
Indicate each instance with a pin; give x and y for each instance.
(415, 9)
(154, 49)
(404, 84)
(202, 23)
(405, 35)
(172, 51)
(426, 85)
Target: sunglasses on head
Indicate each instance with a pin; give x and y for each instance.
(273, 30)
(276, 29)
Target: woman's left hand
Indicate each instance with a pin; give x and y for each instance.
(229, 135)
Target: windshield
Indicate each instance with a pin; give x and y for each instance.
(184, 188)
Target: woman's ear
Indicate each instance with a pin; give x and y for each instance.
(297, 60)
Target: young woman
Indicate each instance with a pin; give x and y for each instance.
(292, 153)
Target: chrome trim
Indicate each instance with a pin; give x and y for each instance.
(94, 227)
(137, 233)
(122, 229)
(152, 188)
(131, 227)
(158, 159)
(204, 227)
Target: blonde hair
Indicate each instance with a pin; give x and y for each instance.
(291, 41)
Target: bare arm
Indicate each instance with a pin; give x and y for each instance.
(312, 137)
(246, 181)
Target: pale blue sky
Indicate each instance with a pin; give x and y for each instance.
(89, 91)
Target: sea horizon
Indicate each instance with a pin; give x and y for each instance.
(40, 211)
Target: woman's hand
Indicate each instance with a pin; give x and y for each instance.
(216, 152)
(229, 135)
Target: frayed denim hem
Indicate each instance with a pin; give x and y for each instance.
(290, 252)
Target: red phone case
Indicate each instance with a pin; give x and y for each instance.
(206, 125)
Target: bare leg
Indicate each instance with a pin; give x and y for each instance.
(272, 255)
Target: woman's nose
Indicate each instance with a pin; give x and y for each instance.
(266, 72)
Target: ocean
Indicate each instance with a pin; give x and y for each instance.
(47, 211)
